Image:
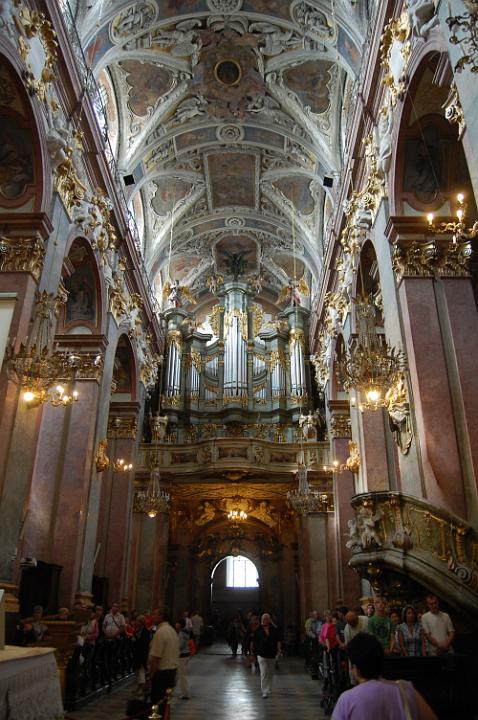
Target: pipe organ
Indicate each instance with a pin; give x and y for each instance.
(242, 367)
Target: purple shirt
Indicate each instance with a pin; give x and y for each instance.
(375, 699)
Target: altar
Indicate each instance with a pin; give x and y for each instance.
(29, 684)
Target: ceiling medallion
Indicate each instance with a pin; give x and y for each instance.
(224, 6)
(230, 134)
(235, 222)
(228, 72)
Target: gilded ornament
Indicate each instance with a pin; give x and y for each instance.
(214, 319)
(33, 24)
(396, 402)
(340, 426)
(397, 32)
(68, 184)
(123, 427)
(257, 319)
(228, 318)
(453, 109)
(413, 261)
(118, 301)
(353, 461)
(102, 460)
(22, 255)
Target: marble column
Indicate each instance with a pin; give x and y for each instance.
(313, 563)
(289, 583)
(151, 560)
(60, 487)
(431, 397)
(116, 501)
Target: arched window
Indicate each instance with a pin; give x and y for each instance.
(240, 572)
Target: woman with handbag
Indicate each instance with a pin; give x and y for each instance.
(375, 697)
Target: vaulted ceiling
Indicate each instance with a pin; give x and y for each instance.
(228, 114)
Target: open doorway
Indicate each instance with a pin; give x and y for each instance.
(235, 587)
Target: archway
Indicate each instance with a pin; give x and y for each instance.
(235, 587)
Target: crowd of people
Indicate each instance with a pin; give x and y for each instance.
(345, 647)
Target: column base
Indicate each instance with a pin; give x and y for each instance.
(11, 601)
(83, 598)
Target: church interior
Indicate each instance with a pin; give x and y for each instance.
(238, 308)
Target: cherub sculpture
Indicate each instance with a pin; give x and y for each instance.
(291, 294)
(177, 295)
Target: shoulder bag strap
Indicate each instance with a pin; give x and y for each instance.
(405, 703)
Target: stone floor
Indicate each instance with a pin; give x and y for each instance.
(224, 688)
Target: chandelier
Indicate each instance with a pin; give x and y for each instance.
(456, 228)
(467, 24)
(304, 499)
(153, 500)
(237, 514)
(45, 375)
(373, 366)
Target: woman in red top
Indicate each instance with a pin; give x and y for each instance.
(327, 634)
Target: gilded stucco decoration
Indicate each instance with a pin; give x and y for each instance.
(38, 49)
(398, 409)
(395, 48)
(22, 255)
(340, 426)
(443, 258)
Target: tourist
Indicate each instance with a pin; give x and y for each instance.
(197, 626)
(114, 623)
(375, 698)
(395, 620)
(163, 659)
(379, 624)
(235, 634)
(139, 651)
(184, 655)
(437, 628)
(410, 634)
(35, 631)
(355, 624)
(266, 647)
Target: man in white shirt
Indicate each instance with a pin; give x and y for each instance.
(197, 625)
(355, 624)
(163, 660)
(437, 628)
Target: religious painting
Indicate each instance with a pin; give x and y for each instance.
(232, 179)
(123, 367)
(297, 190)
(309, 82)
(232, 452)
(283, 457)
(241, 250)
(348, 50)
(147, 83)
(426, 165)
(16, 157)
(81, 286)
(168, 193)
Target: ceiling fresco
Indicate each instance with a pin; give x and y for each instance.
(227, 113)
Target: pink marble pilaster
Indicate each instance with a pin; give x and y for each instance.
(431, 396)
(344, 491)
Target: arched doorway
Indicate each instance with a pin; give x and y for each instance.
(235, 587)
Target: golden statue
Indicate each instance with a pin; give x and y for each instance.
(102, 460)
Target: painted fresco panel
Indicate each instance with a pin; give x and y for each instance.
(169, 191)
(296, 189)
(260, 136)
(268, 7)
(148, 83)
(349, 51)
(233, 178)
(309, 82)
(195, 137)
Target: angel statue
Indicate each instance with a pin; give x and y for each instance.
(291, 294)
(309, 424)
(177, 295)
(213, 282)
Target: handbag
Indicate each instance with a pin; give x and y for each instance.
(405, 703)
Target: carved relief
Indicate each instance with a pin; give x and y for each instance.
(22, 255)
